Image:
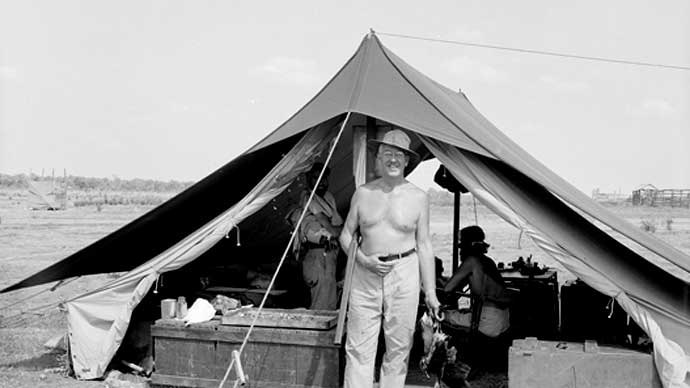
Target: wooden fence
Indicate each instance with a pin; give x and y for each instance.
(661, 197)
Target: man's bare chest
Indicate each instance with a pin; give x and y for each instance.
(396, 211)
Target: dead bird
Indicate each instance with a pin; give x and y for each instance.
(440, 359)
(224, 304)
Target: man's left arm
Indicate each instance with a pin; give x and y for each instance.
(336, 219)
(426, 259)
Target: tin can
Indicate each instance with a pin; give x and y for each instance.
(168, 308)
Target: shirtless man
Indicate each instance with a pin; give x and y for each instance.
(392, 216)
(480, 272)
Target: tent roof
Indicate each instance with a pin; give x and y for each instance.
(45, 195)
(376, 83)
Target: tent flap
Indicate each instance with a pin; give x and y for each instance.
(98, 320)
(604, 263)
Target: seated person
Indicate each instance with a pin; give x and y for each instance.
(480, 272)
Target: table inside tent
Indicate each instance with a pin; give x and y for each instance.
(535, 312)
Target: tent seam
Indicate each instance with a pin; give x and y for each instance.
(397, 69)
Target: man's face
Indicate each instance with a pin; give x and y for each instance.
(393, 160)
(479, 247)
(323, 184)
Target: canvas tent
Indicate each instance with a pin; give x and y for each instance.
(375, 87)
(46, 195)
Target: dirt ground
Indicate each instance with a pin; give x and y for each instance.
(33, 240)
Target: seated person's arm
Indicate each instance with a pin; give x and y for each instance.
(461, 277)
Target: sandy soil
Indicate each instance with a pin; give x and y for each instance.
(33, 240)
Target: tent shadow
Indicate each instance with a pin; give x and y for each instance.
(50, 359)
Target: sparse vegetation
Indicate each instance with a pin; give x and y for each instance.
(440, 197)
(81, 199)
(91, 184)
(648, 225)
(99, 192)
(651, 224)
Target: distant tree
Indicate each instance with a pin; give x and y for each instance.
(440, 197)
(17, 181)
(80, 183)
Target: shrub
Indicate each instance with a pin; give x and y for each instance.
(648, 225)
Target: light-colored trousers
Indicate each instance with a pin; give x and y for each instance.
(392, 299)
(318, 270)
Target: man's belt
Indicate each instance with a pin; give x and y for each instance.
(311, 245)
(397, 256)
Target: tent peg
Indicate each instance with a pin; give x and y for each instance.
(241, 377)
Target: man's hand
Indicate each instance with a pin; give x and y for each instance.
(329, 243)
(323, 219)
(373, 264)
(433, 305)
(332, 244)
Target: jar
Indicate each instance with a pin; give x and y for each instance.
(181, 307)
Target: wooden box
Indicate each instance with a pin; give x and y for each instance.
(198, 355)
(547, 364)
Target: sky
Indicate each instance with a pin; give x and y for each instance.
(173, 90)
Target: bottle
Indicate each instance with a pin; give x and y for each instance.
(181, 307)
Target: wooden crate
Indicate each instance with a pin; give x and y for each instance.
(546, 364)
(198, 355)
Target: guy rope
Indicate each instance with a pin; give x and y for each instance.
(235, 360)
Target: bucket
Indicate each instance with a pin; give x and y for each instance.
(168, 308)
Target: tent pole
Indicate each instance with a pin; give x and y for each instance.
(371, 156)
(354, 244)
(456, 226)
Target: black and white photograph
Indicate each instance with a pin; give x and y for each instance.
(349, 194)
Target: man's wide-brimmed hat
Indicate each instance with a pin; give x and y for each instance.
(398, 139)
(471, 235)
